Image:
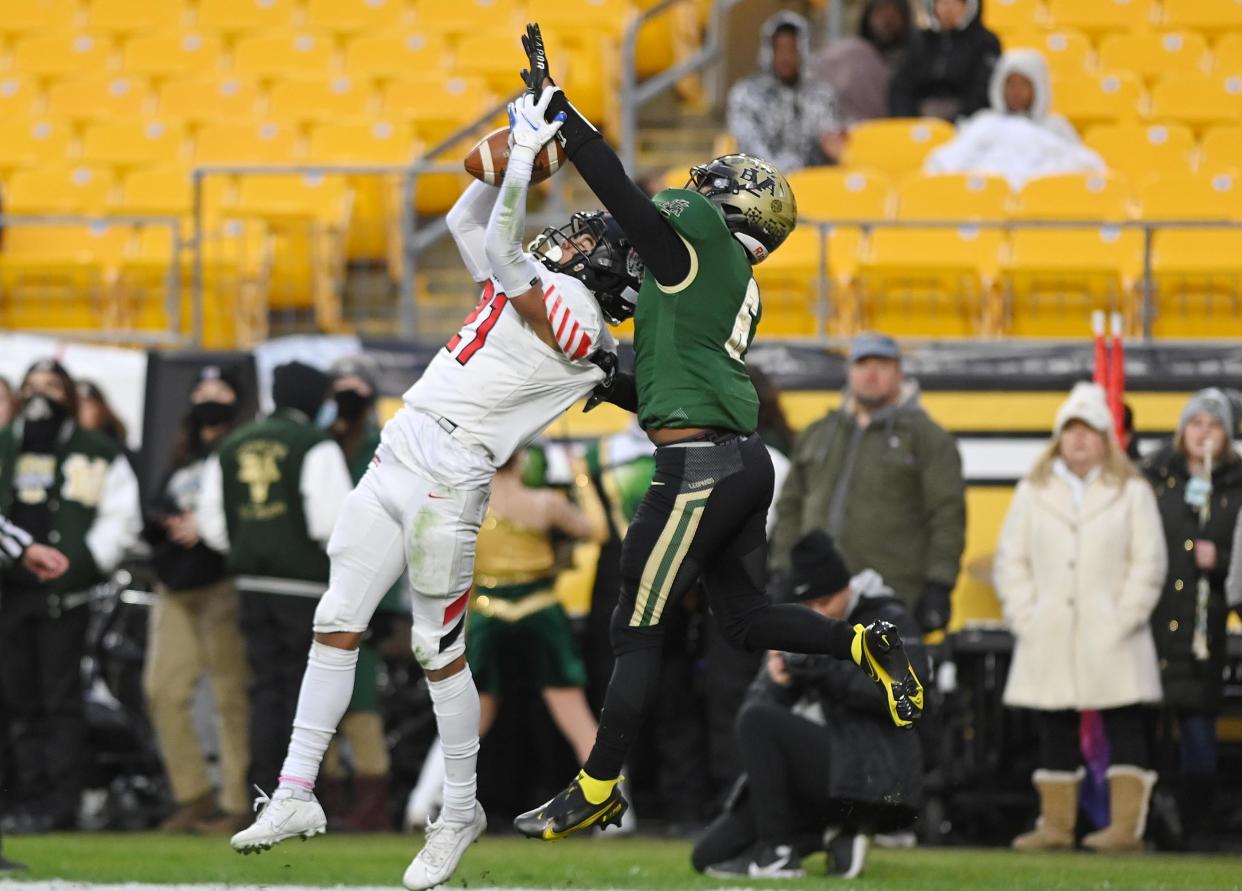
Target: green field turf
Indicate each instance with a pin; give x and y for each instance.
(583, 863)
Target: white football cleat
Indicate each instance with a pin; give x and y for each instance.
(286, 814)
(442, 851)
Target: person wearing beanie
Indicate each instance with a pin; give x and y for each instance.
(947, 66)
(815, 743)
(193, 630)
(1198, 482)
(1079, 566)
(74, 489)
(269, 499)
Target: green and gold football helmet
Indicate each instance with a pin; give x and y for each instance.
(755, 198)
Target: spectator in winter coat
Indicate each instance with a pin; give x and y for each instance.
(947, 67)
(780, 114)
(885, 481)
(1190, 637)
(817, 746)
(859, 69)
(1017, 137)
(1079, 566)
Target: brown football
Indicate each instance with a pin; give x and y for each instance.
(490, 155)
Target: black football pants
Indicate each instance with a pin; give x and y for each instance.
(703, 518)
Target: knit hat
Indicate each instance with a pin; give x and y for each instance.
(299, 386)
(1088, 404)
(817, 568)
(355, 366)
(1212, 402)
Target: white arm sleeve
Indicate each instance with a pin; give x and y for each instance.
(325, 483)
(511, 266)
(118, 519)
(213, 529)
(467, 223)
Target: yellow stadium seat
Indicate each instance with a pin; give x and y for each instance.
(963, 196)
(286, 54)
(463, 17)
(1097, 16)
(789, 288)
(127, 144)
(1221, 149)
(318, 99)
(1067, 52)
(231, 17)
(19, 97)
(1227, 54)
(609, 16)
(1055, 278)
(384, 57)
(1014, 15)
(60, 55)
(162, 56)
(1197, 273)
(1142, 150)
(435, 105)
(896, 146)
(208, 99)
(1197, 99)
(134, 16)
(490, 56)
(1152, 54)
(54, 188)
(1090, 99)
(356, 16)
(30, 142)
(248, 142)
(37, 17)
(1209, 16)
(161, 191)
(97, 98)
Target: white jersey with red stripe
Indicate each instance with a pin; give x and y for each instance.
(498, 383)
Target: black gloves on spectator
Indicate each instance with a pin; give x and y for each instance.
(932, 610)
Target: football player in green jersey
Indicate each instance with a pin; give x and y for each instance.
(704, 515)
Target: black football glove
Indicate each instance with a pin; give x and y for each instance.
(607, 362)
(933, 608)
(536, 60)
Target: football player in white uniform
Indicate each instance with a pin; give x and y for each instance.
(533, 346)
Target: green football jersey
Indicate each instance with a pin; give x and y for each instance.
(690, 340)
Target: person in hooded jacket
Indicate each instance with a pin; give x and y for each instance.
(859, 68)
(780, 113)
(1190, 641)
(1017, 137)
(73, 489)
(947, 66)
(823, 765)
(885, 481)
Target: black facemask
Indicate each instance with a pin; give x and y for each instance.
(350, 404)
(212, 414)
(42, 417)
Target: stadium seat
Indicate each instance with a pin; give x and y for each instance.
(59, 189)
(208, 99)
(37, 17)
(270, 57)
(1208, 16)
(1143, 150)
(1055, 278)
(349, 17)
(1089, 99)
(1221, 149)
(959, 196)
(30, 142)
(128, 144)
(233, 17)
(97, 98)
(1010, 16)
(1197, 273)
(19, 97)
(162, 56)
(248, 142)
(1067, 52)
(1227, 54)
(60, 55)
(159, 191)
(316, 100)
(437, 106)
(1199, 100)
(1152, 54)
(895, 146)
(463, 17)
(1098, 16)
(610, 17)
(386, 57)
(121, 17)
(489, 56)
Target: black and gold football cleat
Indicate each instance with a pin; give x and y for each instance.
(878, 651)
(569, 812)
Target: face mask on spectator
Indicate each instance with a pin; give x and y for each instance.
(212, 414)
(350, 404)
(43, 417)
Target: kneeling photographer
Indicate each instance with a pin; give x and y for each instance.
(824, 767)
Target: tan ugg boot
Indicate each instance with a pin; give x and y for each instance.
(1129, 791)
(1058, 811)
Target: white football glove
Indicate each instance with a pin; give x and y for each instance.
(528, 131)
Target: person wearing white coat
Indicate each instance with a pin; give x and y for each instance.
(1079, 568)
